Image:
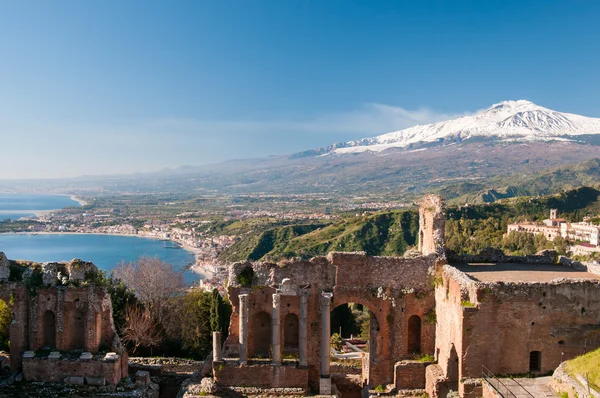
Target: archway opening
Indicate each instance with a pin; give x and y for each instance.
(414, 335)
(452, 370)
(291, 334)
(354, 331)
(49, 329)
(262, 330)
(76, 324)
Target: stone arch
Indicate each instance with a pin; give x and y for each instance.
(49, 322)
(291, 333)
(414, 335)
(76, 330)
(262, 332)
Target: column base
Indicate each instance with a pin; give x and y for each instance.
(325, 386)
(276, 363)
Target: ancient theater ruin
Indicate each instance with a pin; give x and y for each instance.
(495, 312)
(62, 327)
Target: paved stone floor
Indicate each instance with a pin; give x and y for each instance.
(538, 387)
(503, 272)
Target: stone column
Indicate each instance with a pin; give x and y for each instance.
(325, 381)
(276, 334)
(243, 332)
(303, 343)
(217, 346)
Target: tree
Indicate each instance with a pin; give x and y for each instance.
(5, 320)
(141, 329)
(153, 281)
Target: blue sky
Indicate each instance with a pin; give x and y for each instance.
(102, 87)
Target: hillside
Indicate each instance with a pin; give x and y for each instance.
(543, 182)
(385, 233)
(469, 229)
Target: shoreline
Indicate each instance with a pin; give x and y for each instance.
(197, 269)
(42, 213)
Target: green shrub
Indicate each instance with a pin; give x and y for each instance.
(246, 277)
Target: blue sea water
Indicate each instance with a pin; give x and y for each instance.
(15, 206)
(106, 251)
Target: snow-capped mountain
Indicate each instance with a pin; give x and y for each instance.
(509, 120)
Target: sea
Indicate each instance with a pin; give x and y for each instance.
(14, 206)
(106, 251)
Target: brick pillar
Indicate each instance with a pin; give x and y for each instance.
(276, 335)
(243, 332)
(325, 381)
(303, 343)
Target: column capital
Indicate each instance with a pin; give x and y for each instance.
(276, 300)
(243, 297)
(326, 298)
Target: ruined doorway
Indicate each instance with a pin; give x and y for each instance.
(291, 334)
(535, 361)
(261, 329)
(49, 329)
(414, 335)
(354, 335)
(452, 369)
(77, 330)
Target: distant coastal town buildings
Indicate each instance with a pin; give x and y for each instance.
(584, 235)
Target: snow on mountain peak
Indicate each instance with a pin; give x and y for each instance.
(519, 120)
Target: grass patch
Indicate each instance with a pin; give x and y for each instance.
(587, 364)
(424, 358)
(467, 303)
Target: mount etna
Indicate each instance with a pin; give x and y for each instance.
(511, 148)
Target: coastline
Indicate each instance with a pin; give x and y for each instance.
(196, 268)
(42, 213)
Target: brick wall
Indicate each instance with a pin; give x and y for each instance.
(264, 375)
(410, 374)
(43, 369)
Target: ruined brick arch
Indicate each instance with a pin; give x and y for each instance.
(414, 335)
(262, 332)
(76, 328)
(291, 332)
(376, 307)
(49, 329)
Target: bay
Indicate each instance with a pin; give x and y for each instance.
(14, 206)
(105, 251)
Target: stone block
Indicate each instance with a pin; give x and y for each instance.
(111, 357)
(142, 377)
(54, 356)
(95, 381)
(86, 356)
(29, 354)
(325, 386)
(75, 380)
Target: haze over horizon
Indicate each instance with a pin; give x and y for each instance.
(120, 87)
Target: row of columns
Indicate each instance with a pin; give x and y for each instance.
(276, 331)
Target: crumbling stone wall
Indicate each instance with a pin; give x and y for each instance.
(432, 225)
(393, 289)
(80, 312)
(498, 324)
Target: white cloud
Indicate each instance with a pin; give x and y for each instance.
(370, 119)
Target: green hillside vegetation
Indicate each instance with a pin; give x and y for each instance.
(587, 365)
(384, 233)
(540, 183)
(469, 229)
